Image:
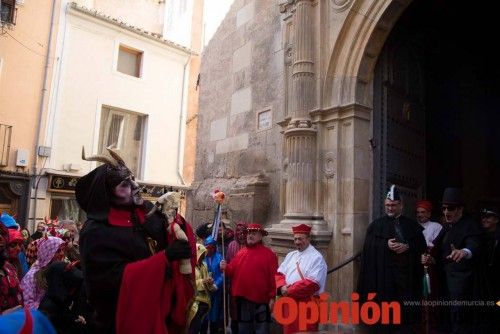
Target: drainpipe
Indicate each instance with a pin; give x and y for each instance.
(181, 139)
(41, 109)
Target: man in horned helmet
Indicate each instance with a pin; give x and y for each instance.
(127, 263)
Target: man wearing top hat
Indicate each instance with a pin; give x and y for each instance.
(252, 282)
(391, 262)
(302, 274)
(458, 254)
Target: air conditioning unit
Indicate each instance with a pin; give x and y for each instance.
(22, 157)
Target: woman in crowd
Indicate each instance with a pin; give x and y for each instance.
(34, 284)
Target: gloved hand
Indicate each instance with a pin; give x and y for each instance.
(179, 249)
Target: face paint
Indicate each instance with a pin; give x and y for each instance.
(127, 192)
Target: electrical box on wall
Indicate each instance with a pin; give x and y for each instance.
(22, 157)
(44, 151)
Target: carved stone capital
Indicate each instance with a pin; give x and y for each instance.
(299, 123)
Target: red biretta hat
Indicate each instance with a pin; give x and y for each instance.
(301, 229)
(427, 205)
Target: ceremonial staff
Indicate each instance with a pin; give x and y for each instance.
(219, 198)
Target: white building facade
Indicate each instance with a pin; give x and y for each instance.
(115, 85)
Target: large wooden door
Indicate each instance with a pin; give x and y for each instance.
(399, 122)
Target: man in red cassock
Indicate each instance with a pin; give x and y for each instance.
(252, 275)
(302, 274)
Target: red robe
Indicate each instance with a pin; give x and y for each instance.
(300, 291)
(252, 274)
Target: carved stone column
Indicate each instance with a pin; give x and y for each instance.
(300, 180)
(303, 85)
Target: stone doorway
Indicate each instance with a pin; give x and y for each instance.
(435, 108)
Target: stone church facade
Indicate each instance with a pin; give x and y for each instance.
(286, 123)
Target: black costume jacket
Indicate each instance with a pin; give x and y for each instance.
(387, 273)
(465, 233)
(105, 251)
(491, 262)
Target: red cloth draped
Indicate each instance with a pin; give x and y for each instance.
(300, 291)
(146, 295)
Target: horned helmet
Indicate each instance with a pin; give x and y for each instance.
(112, 183)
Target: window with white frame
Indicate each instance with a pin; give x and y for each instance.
(129, 61)
(123, 131)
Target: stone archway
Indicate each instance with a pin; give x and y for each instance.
(354, 54)
(345, 121)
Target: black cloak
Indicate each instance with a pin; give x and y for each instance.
(393, 277)
(106, 249)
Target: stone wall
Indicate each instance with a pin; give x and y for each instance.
(241, 76)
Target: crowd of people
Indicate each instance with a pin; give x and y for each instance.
(42, 272)
(453, 266)
(123, 271)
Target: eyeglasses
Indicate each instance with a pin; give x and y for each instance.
(449, 208)
(14, 245)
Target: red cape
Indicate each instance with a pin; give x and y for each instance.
(145, 303)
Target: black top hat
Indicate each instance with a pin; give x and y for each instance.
(452, 196)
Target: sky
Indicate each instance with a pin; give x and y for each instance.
(213, 14)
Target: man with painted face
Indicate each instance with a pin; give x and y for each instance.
(391, 262)
(129, 269)
(302, 275)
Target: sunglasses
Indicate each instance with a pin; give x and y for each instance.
(449, 208)
(14, 245)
